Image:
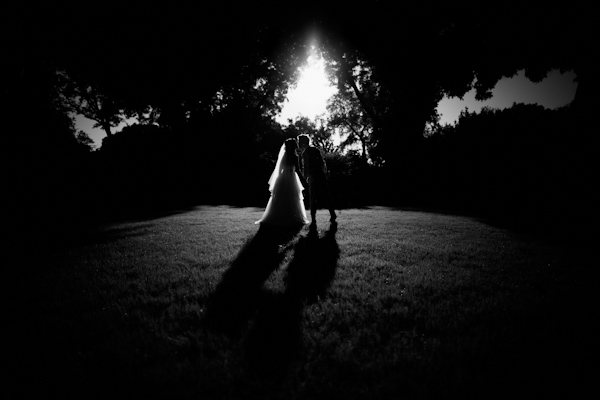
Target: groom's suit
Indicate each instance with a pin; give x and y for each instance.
(314, 171)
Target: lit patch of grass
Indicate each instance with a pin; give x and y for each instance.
(391, 303)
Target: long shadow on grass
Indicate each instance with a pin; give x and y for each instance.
(275, 335)
(238, 294)
(312, 269)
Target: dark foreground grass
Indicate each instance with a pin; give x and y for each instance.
(387, 304)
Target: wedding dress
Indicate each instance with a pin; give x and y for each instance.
(286, 205)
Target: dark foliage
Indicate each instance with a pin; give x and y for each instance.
(216, 76)
(48, 168)
(524, 164)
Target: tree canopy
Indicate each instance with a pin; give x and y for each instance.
(208, 78)
(185, 53)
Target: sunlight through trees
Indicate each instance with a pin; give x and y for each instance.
(309, 96)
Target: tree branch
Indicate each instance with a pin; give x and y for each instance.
(349, 78)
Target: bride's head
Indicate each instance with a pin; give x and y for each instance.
(290, 146)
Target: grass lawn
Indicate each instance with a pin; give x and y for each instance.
(388, 304)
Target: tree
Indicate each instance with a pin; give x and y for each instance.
(82, 98)
(84, 141)
(349, 119)
(323, 136)
(421, 52)
(397, 61)
(418, 52)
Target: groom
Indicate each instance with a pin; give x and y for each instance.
(314, 171)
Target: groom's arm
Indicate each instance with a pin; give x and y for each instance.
(300, 173)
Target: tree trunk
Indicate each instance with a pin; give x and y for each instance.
(364, 148)
(106, 128)
(363, 102)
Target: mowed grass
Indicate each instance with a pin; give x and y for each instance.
(387, 304)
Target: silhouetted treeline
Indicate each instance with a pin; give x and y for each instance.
(522, 163)
(519, 162)
(216, 75)
(47, 172)
(144, 167)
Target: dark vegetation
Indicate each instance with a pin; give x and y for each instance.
(205, 89)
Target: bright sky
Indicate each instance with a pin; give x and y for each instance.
(555, 91)
(309, 97)
(96, 134)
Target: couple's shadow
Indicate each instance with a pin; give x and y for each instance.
(271, 319)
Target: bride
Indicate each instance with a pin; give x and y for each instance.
(285, 207)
